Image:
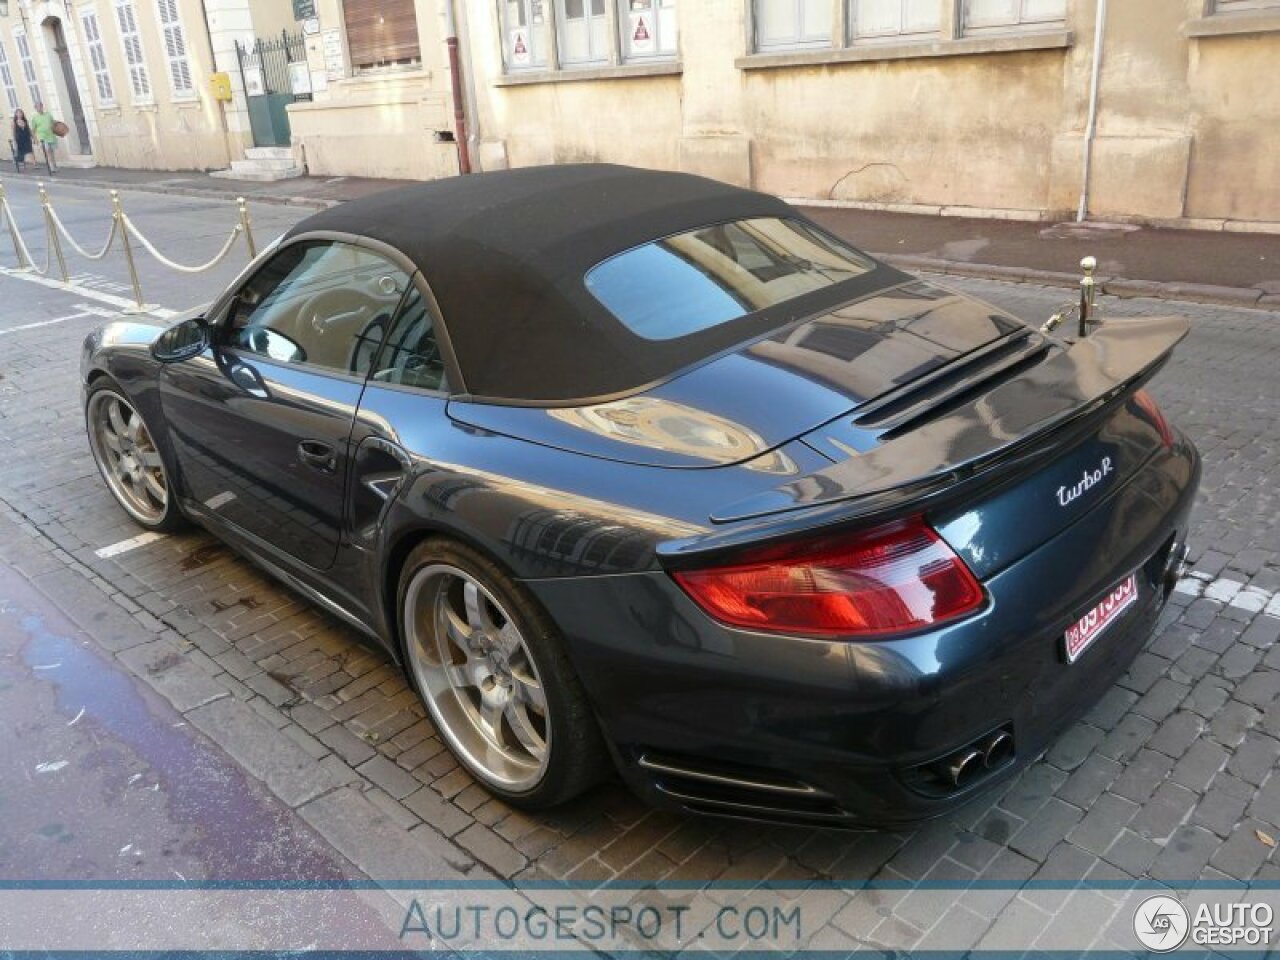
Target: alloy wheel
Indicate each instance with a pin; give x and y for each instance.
(127, 457)
(478, 677)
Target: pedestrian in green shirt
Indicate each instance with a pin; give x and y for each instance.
(42, 123)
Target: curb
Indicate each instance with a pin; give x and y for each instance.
(201, 193)
(1114, 286)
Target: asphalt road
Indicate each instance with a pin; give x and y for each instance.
(1172, 776)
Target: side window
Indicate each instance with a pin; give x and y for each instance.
(411, 355)
(321, 304)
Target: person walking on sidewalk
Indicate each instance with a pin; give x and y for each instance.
(42, 123)
(22, 145)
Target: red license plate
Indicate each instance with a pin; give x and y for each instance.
(1088, 628)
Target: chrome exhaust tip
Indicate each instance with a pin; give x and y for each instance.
(963, 768)
(1175, 567)
(998, 750)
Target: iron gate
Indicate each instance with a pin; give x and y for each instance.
(272, 82)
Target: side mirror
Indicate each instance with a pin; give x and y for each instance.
(182, 341)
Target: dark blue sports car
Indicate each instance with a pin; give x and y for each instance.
(639, 470)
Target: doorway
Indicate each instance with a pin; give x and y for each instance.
(68, 94)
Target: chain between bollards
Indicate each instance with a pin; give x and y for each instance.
(117, 214)
(23, 263)
(247, 223)
(53, 239)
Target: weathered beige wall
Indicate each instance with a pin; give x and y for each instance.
(378, 124)
(1235, 122)
(168, 134)
(1185, 127)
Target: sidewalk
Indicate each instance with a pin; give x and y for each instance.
(1237, 269)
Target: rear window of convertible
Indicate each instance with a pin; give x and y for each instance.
(703, 278)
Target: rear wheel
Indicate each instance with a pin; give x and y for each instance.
(128, 458)
(493, 673)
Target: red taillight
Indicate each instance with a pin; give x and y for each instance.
(892, 579)
(1147, 404)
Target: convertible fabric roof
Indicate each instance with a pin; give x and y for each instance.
(506, 254)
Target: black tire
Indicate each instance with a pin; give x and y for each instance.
(160, 518)
(576, 756)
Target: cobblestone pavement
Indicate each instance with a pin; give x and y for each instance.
(1172, 776)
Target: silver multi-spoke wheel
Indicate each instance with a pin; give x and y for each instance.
(127, 457)
(478, 677)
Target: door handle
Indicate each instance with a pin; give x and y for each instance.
(317, 455)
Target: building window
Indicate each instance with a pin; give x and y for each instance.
(783, 24)
(1004, 15)
(524, 26)
(135, 60)
(588, 33)
(97, 56)
(28, 66)
(894, 19)
(649, 29)
(6, 78)
(381, 34)
(584, 31)
(175, 49)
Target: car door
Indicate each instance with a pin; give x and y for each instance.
(261, 422)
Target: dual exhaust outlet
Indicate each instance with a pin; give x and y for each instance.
(967, 766)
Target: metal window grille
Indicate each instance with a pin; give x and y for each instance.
(97, 56)
(28, 67)
(175, 48)
(6, 78)
(131, 40)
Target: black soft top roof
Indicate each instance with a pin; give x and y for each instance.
(506, 254)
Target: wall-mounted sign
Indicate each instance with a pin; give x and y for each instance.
(253, 85)
(642, 39)
(311, 26)
(519, 48)
(335, 60)
(299, 78)
(304, 9)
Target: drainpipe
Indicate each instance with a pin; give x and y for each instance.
(1091, 127)
(455, 79)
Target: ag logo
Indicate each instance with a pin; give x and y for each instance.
(1161, 924)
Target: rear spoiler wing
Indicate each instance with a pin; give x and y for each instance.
(1012, 415)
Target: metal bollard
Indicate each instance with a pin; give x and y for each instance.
(247, 224)
(52, 230)
(23, 264)
(1087, 292)
(118, 215)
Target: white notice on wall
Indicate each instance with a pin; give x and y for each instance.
(335, 63)
(299, 79)
(520, 48)
(253, 85)
(642, 38)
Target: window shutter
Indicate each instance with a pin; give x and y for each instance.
(381, 32)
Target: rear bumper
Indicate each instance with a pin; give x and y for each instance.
(718, 720)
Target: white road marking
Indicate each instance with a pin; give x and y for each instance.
(1233, 593)
(52, 766)
(124, 546)
(111, 300)
(84, 311)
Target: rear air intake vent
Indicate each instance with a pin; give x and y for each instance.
(730, 790)
(944, 389)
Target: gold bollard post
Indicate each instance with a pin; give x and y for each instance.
(13, 229)
(52, 230)
(247, 225)
(117, 213)
(1088, 265)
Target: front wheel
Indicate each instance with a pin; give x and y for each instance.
(128, 458)
(493, 673)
